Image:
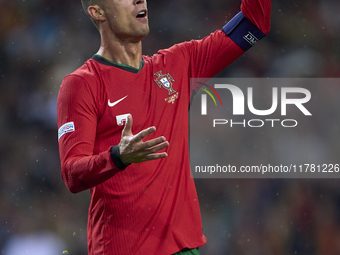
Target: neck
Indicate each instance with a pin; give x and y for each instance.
(121, 52)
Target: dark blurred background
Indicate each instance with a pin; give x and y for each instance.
(41, 41)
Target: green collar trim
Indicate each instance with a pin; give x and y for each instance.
(128, 68)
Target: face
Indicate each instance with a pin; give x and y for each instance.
(127, 19)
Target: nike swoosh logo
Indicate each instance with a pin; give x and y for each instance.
(116, 102)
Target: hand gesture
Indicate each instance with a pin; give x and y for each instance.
(133, 150)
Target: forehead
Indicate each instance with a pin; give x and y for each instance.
(117, 2)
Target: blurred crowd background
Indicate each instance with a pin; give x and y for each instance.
(41, 41)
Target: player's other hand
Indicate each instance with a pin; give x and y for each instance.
(133, 150)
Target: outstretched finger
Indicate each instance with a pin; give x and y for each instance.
(157, 148)
(142, 134)
(128, 126)
(155, 156)
(150, 144)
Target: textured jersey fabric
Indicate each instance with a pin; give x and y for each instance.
(150, 207)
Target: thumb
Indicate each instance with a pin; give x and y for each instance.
(128, 126)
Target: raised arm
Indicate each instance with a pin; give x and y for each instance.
(251, 24)
(258, 12)
(216, 51)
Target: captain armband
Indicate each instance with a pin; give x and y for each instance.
(244, 33)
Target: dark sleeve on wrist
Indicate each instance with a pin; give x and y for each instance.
(117, 159)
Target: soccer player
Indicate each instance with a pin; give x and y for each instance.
(123, 128)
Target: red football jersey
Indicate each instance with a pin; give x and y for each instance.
(150, 207)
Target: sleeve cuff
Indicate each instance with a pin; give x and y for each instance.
(117, 159)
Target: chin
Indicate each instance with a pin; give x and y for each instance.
(141, 35)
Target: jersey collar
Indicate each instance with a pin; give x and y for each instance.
(105, 61)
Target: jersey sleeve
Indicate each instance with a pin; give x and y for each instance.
(77, 121)
(213, 53)
(258, 13)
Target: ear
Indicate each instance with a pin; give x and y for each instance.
(96, 12)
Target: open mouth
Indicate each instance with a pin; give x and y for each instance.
(141, 14)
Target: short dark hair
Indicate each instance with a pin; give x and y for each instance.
(87, 3)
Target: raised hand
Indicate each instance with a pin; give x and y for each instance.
(133, 150)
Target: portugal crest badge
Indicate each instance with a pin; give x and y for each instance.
(165, 81)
